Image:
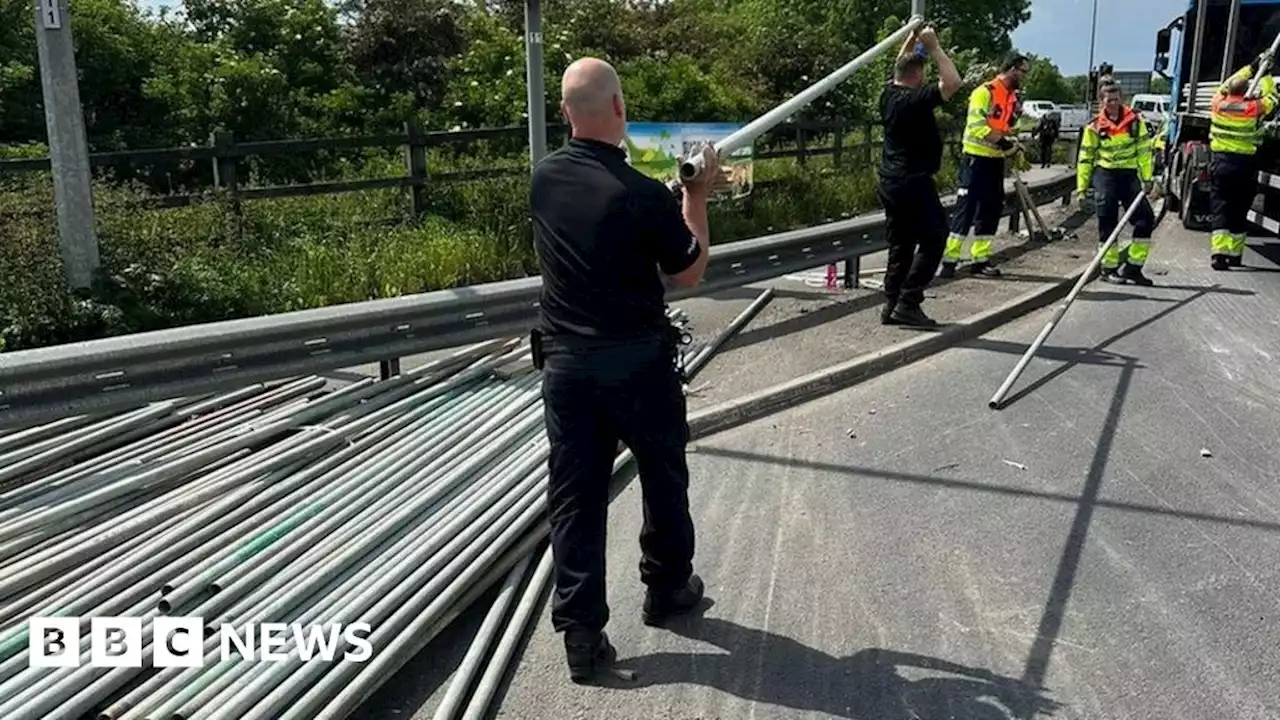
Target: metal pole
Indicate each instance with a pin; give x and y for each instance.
(1061, 309)
(1264, 67)
(68, 143)
(534, 81)
(917, 8)
(1228, 48)
(1197, 50)
(690, 168)
(1093, 37)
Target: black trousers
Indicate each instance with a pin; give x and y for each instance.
(1046, 150)
(594, 399)
(916, 226)
(1113, 191)
(1234, 179)
(979, 205)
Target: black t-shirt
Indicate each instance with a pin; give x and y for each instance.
(912, 143)
(602, 230)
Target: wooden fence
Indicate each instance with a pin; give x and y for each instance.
(226, 154)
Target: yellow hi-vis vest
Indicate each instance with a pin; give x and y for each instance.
(1236, 124)
(1115, 145)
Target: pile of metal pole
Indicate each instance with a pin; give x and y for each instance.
(395, 503)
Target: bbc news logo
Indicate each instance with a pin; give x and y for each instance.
(180, 642)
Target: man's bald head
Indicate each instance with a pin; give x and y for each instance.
(591, 97)
(1238, 86)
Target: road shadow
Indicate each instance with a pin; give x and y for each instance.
(1055, 608)
(953, 483)
(870, 684)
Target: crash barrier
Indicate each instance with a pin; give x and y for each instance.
(129, 371)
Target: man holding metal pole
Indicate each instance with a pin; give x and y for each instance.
(1235, 133)
(912, 154)
(602, 230)
(1116, 156)
(989, 136)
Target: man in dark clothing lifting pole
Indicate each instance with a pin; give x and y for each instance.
(916, 222)
(602, 231)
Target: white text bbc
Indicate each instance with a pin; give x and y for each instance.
(179, 642)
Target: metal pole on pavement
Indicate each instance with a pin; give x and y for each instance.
(690, 168)
(1061, 309)
(534, 81)
(68, 142)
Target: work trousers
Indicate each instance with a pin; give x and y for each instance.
(1046, 150)
(1234, 179)
(979, 205)
(916, 228)
(594, 399)
(1113, 190)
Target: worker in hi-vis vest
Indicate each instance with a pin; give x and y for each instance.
(1235, 133)
(989, 134)
(1116, 157)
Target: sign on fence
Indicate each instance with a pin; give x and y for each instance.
(656, 150)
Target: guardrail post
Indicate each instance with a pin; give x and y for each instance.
(224, 172)
(415, 158)
(852, 266)
(388, 369)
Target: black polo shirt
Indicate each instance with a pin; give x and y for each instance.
(912, 143)
(602, 230)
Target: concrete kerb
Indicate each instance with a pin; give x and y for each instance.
(865, 367)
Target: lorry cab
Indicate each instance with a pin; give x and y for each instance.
(1213, 40)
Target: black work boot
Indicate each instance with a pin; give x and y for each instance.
(1133, 273)
(1220, 262)
(948, 270)
(588, 652)
(886, 314)
(984, 268)
(912, 314)
(1235, 260)
(658, 607)
(1110, 275)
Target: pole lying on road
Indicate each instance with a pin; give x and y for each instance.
(690, 168)
(1060, 310)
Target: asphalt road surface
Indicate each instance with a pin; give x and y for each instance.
(1104, 547)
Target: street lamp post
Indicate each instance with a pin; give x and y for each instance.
(1093, 37)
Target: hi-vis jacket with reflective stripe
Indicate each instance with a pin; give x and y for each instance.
(1124, 144)
(1236, 121)
(992, 107)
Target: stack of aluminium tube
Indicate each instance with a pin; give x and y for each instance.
(394, 502)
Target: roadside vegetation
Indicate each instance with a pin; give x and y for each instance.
(277, 69)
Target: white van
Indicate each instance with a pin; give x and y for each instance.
(1153, 108)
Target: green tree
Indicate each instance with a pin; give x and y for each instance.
(1045, 82)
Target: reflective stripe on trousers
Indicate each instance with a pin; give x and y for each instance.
(1225, 243)
(980, 249)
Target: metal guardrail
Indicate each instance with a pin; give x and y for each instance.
(129, 371)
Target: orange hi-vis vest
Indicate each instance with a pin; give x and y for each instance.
(1235, 124)
(1004, 107)
(992, 107)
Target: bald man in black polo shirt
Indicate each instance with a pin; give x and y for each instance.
(602, 231)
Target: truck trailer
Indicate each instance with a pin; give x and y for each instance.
(1214, 39)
